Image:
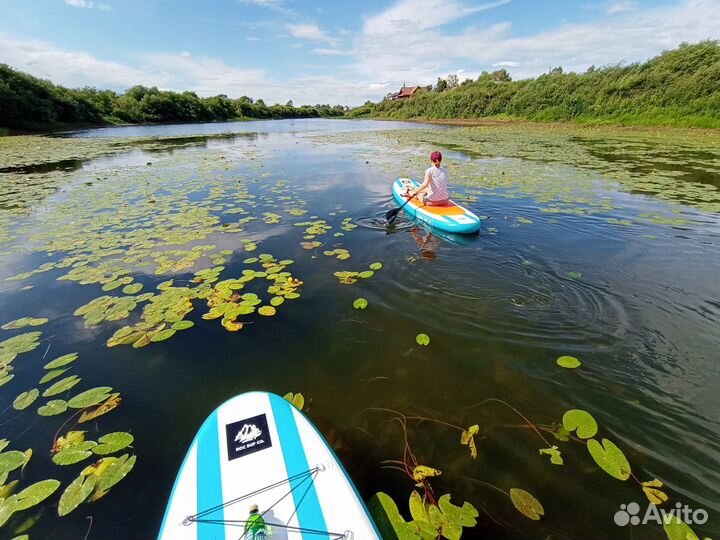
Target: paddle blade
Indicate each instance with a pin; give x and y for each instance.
(390, 215)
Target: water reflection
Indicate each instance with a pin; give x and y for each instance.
(638, 304)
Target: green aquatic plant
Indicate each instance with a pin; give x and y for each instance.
(569, 362)
(429, 520)
(581, 422)
(578, 427)
(27, 498)
(298, 400)
(339, 253)
(23, 322)
(350, 277)
(422, 339)
(526, 504)
(91, 413)
(25, 399)
(360, 303)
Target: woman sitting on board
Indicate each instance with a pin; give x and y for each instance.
(434, 189)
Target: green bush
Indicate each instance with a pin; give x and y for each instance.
(677, 88)
(31, 104)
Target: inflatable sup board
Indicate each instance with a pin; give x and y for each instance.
(451, 217)
(257, 455)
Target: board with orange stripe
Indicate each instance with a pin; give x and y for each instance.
(451, 217)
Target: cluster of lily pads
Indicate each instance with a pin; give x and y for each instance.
(513, 164)
(118, 232)
(95, 480)
(350, 277)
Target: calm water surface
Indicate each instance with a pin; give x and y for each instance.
(639, 304)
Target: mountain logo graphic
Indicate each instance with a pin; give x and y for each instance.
(247, 436)
(249, 432)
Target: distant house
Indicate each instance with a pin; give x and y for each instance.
(405, 92)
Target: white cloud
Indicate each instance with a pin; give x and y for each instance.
(422, 57)
(205, 75)
(619, 7)
(69, 68)
(87, 5)
(310, 32)
(263, 3)
(414, 15)
(331, 52)
(378, 60)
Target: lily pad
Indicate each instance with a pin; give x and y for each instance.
(21, 343)
(25, 321)
(610, 458)
(11, 460)
(91, 397)
(112, 442)
(53, 407)
(74, 454)
(76, 493)
(677, 529)
(133, 288)
(105, 407)
(296, 399)
(376, 266)
(50, 375)
(422, 339)
(526, 504)
(35, 494)
(267, 311)
(360, 303)
(24, 400)
(582, 421)
(182, 325)
(61, 386)
(61, 361)
(163, 335)
(569, 362)
(113, 474)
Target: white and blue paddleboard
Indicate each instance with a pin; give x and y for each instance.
(450, 217)
(258, 449)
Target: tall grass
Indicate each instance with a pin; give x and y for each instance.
(680, 87)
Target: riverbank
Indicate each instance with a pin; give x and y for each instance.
(520, 122)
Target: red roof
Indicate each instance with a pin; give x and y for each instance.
(407, 91)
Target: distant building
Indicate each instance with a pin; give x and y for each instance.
(405, 92)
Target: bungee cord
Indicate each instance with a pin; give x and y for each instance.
(302, 479)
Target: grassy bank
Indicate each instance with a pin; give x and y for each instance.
(677, 88)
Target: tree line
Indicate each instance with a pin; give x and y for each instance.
(31, 104)
(679, 87)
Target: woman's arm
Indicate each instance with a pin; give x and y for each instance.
(423, 186)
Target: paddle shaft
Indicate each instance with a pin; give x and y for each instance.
(394, 213)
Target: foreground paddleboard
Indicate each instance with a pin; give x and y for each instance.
(258, 449)
(451, 218)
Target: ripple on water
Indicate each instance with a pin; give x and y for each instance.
(379, 223)
(499, 296)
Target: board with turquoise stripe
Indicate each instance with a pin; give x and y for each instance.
(257, 449)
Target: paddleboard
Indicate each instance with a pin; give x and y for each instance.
(451, 217)
(258, 449)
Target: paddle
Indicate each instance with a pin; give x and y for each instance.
(392, 215)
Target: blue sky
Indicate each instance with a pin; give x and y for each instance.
(314, 51)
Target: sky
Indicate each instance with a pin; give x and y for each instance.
(313, 51)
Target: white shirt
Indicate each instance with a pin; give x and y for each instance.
(438, 186)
